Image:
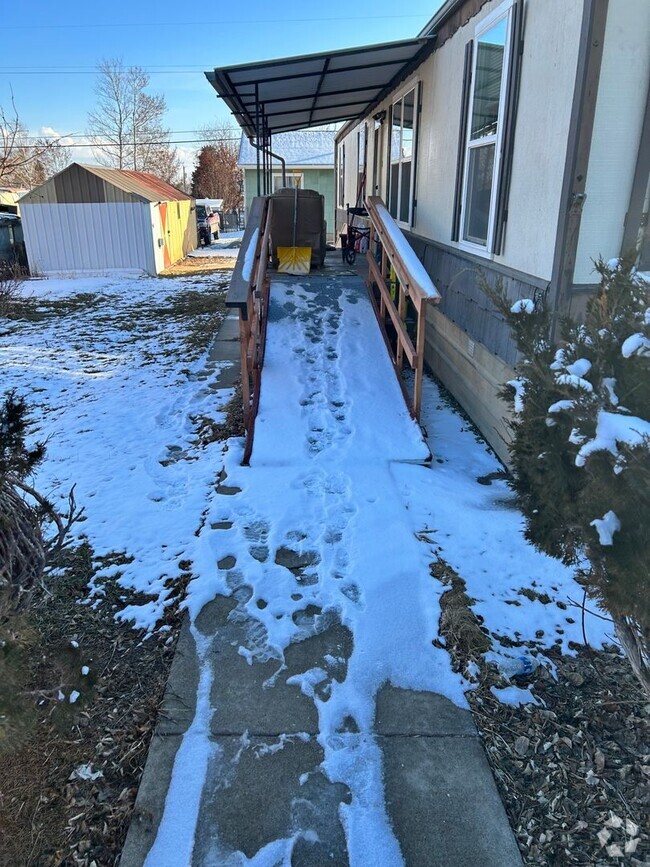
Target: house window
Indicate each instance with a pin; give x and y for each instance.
(402, 176)
(485, 126)
(341, 176)
(292, 180)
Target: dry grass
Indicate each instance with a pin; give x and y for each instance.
(49, 817)
(464, 637)
(200, 265)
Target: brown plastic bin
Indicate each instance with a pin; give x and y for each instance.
(311, 228)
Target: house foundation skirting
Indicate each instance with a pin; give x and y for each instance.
(473, 376)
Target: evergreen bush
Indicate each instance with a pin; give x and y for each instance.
(581, 443)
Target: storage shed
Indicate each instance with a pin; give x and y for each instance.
(92, 219)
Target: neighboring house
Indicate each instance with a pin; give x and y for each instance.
(9, 198)
(511, 138)
(92, 219)
(309, 156)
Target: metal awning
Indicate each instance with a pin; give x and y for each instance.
(310, 90)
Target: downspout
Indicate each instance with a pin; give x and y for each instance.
(592, 37)
(277, 157)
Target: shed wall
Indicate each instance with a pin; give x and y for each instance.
(175, 223)
(70, 238)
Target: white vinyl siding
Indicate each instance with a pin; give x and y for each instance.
(624, 77)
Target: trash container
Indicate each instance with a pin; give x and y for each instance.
(311, 228)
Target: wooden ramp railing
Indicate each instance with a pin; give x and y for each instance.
(412, 283)
(249, 294)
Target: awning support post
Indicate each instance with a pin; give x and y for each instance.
(257, 137)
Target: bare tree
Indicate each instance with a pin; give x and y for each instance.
(17, 153)
(126, 127)
(52, 158)
(108, 123)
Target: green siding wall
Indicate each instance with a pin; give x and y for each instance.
(321, 180)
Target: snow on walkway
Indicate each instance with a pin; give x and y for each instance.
(327, 528)
(335, 524)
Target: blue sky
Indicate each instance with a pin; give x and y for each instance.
(174, 41)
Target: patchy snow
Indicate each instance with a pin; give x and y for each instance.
(613, 429)
(112, 389)
(226, 247)
(519, 386)
(609, 382)
(636, 344)
(477, 529)
(215, 251)
(85, 772)
(606, 527)
(175, 838)
(580, 367)
(524, 305)
(514, 695)
(561, 406)
(559, 360)
(574, 381)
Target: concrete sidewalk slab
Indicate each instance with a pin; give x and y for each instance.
(444, 805)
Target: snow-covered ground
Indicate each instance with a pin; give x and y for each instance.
(112, 387)
(337, 480)
(227, 246)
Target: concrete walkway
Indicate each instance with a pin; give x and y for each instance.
(308, 719)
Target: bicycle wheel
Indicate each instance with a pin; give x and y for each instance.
(350, 256)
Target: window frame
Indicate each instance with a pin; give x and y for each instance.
(504, 11)
(340, 181)
(362, 162)
(415, 87)
(288, 174)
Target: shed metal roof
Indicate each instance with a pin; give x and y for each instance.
(72, 185)
(316, 89)
(143, 184)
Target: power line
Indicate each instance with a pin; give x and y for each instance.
(128, 144)
(13, 71)
(202, 24)
(222, 138)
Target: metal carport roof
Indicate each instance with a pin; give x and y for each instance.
(314, 89)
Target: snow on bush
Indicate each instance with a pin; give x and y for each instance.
(581, 444)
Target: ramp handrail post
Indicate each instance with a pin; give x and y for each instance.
(412, 283)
